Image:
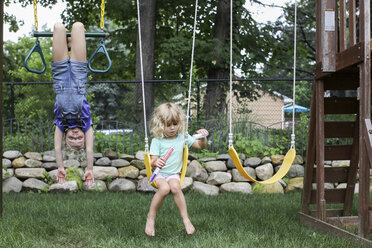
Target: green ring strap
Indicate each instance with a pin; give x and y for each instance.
(36, 48)
(100, 49)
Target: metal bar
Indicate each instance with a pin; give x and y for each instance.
(171, 80)
(38, 34)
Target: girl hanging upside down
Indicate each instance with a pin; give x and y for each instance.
(73, 118)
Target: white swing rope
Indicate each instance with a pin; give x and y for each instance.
(230, 103)
(191, 70)
(142, 80)
(293, 136)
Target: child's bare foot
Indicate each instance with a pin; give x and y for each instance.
(190, 229)
(150, 227)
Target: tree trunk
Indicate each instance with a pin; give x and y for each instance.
(148, 23)
(215, 95)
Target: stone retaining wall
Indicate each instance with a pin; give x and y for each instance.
(126, 173)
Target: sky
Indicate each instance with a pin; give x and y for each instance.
(48, 17)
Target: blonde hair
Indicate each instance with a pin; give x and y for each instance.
(166, 114)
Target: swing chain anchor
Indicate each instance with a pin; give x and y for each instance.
(293, 137)
(230, 139)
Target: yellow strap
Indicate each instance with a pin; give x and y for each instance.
(35, 14)
(284, 168)
(102, 24)
(183, 170)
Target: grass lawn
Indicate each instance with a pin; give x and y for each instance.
(118, 220)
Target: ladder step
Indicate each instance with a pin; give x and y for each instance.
(337, 152)
(339, 129)
(341, 81)
(333, 174)
(340, 105)
(330, 195)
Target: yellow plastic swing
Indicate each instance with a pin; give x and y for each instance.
(186, 148)
(291, 154)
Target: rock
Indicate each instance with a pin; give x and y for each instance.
(274, 188)
(224, 157)
(33, 155)
(32, 163)
(295, 184)
(298, 160)
(326, 186)
(53, 175)
(144, 186)
(50, 153)
(140, 155)
(119, 163)
(192, 157)
(138, 163)
(340, 163)
(252, 162)
(218, 177)
(277, 159)
(18, 162)
(97, 155)
(266, 160)
(12, 154)
(187, 184)
(71, 163)
(12, 184)
(205, 189)
(129, 172)
(29, 172)
(34, 184)
(231, 165)
(97, 186)
(49, 165)
(237, 177)
(126, 157)
(103, 173)
(296, 170)
(244, 188)
(207, 159)
(196, 171)
(67, 187)
(143, 172)
(105, 161)
(215, 166)
(9, 172)
(122, 185)
(111, 154)
(265, 171)
(7, 163)
(47, 158)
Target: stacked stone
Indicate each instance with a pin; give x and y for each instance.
(127, 173)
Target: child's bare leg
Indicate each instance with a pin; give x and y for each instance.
(60, 50)
(180, 201)
(157, 201)
(78, 43)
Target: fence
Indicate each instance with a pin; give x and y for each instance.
(249, 137)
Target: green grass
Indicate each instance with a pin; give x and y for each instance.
(118, 220)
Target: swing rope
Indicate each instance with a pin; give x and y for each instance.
(289, 157)
(102, 23)
(142, 79)
(191, 71)
(35, 15)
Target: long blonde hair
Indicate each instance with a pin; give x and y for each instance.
(166, 114)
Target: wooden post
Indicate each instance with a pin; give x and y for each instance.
(1, 105)
(328, 24)
(365, 110)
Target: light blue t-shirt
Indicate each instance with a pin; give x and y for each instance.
(159, 147)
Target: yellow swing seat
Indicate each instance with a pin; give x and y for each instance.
(183, 170)
(286, 165)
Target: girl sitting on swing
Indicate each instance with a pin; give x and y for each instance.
(73, 118)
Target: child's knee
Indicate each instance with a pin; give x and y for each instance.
(78, 25)
(59, 26)
(175, 188)
(164, 189)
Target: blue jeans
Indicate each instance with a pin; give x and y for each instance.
(70, 86)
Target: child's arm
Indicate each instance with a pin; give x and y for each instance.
(58, 137)
(89, 140)
(157, 162)
(201, 143)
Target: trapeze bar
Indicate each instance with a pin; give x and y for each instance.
(88, 34)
